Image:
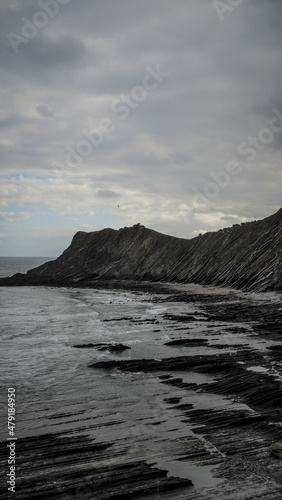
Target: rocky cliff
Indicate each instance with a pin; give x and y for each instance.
(247, 256)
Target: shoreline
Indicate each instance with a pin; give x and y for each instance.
(21, 280)
(216, 415)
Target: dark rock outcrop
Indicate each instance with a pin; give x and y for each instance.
(247, 257)
(104, 347)
(66, 468)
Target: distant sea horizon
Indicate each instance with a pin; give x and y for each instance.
(12, 265)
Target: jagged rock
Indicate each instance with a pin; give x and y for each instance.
(276, 449)
(57, 475)
(104, 347)
(247, 257)
(187, 342)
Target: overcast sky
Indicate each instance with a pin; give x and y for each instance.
(115, 112)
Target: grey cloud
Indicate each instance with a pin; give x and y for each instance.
(44, 110)
(45, 58)
(63, 50)
(107, 193)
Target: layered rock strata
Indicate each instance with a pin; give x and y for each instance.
(247, 256)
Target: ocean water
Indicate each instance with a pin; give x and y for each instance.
(13, 265)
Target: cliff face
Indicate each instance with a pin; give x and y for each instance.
(247, 257)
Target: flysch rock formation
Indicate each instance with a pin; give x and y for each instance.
(247, 256)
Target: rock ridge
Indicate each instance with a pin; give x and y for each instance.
(247, 256)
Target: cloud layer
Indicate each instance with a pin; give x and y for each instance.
(168, 114)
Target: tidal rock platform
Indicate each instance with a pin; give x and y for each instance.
(200, 420)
